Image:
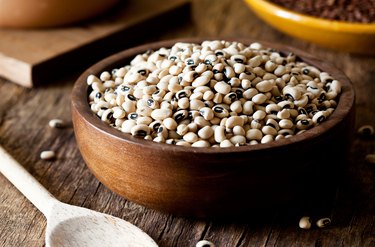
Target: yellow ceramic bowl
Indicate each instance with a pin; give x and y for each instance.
(338, 35)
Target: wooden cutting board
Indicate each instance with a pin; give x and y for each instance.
(35, 57)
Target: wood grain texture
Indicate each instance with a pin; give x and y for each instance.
(24, 132)
(35, 56)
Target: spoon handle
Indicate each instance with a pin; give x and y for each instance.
(26, 183)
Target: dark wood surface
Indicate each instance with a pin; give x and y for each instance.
(24, 133)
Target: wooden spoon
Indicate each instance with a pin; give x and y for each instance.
(69, 225)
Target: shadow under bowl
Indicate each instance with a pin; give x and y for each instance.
(213, 182)
(337, 35)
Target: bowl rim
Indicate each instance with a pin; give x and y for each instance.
(312, 21)
(79, 100)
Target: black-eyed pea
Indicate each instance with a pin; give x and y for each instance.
(144, 111)
(239, 68)
(196, 104)
(208, 95)
(206, 132)
(193, 127)
(161, 114)
(279, 137)
(273, 123)
(218, 98)
(234, 121)
(226, 144)
(148, 137)
(280, 70)
(170, 141)
(201, 122)
(196, 96)
(166, 105)
(182, 129)
(304, 124)
(247, 108)
(285, 132)
(154, 126)
(245, 83)
(200, 81)
(222, 87)
(220, 112)
(256, 124)
(305, 222)
(175, 70)
(272, 108)
(207, 113)
(159, 139)
(324, 222)
(170, 123)
(259, 98)
(229, 72)
(283, 114)
(236, 106)
(269, 130)
(140, 130)
(158, 95)
(286, 124)
(118, 112)
(201, 143)
(107, 116)
(270, 76)
(162, 131)
(180, 115)
(219, 134)
(259, 115)
(238, 130)
(190, 137)
(264, 86)
(183, 143)
(238, 139)
(254, 134)
(183, 103)
(319, 117)
(172, 134)
(255, 61)
(193, 114)
(190, 76)
(234, 82)
(301, 102)
(230, 98)
(267, 138)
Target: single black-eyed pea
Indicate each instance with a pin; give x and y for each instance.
(207, 113)
(140, 130)
(222, 87)
(230, 98)
(182, 129)
(259, 98)
(267, 138)
(190, 137)
(324, 222)
(206, 132)
(201, 143)
(170, 123)
(226, 143)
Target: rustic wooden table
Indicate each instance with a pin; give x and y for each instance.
(24, 133)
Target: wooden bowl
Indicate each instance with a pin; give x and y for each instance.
(338, 35)
(49, 13)
(213, 182)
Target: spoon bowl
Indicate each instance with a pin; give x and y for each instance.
(69, 225)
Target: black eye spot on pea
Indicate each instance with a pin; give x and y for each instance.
(173, 58)
(156, 126)
(272, 125)
(141, 133)
(320, 119)
(181, 95)
(110, 117)
(239, 93)
(150, 102)
(162, 55)
(98, 95)
(322, 97)
(133, 116)
(125, 88)
(190, 62)
(179, 117)
(208, 62)
(284, 62)
(193, 67)
(142, 72)
(131, 97)
(279, 98)
(219, 53)
(302, 111)
(305, 122)
(232, 96)
(309, 109)
(160, 129)
(305, 71)
(289, 96)
(218, 109)
(238, 60)
(215, 71)
(156, 92)
(195, 75)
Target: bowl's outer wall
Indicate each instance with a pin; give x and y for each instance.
(209, 183)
